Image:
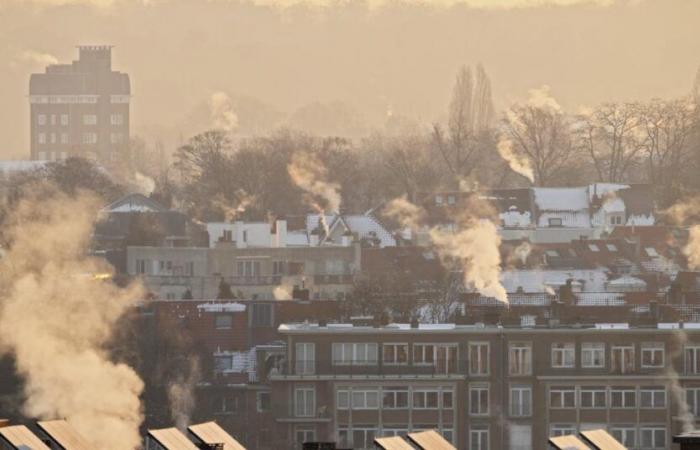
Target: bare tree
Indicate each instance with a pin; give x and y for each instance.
(542, 133)
(669, 126)
(470, 117)
(612, 137)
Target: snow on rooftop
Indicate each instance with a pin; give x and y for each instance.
(538, 281)
(612, 326)
(603, 189)
(221, 307)
(515, 219)
(561, 199)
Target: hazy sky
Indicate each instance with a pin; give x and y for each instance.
(373, 57)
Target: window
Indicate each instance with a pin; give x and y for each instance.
(520, 437)
(116, 119)
(622, 359)
(354, 354)
(652, 354)
(41, 138)
(478, 358)
(563, 355)
(53, 119)
(621, 397)
(64, 138)
(625, 435)
(395, 354)
(64, 119)
(278, 267)
(521, 401)
(443, 356)
(89, 138)
(305, 353)
(225, 405)
(652, 437)
(140, 266)
(89, 119)
(116, 138)
(520, 359)
(479, 399)
(439, 199)
(555, 222)
(651, 252)
(450, 199)
(692, 359)
(358, 437)
(303, 434)
(223, 321)
(592, 355)
(593, 247)
(611, 247)
(479, 437)
(358, 398)
(447, 399)
(652, 397)
(53, 138)
(263, 402)
(262, 315)
(304, 402)
(223, 362)
(395, 398)
(593, 397)
(41, 119)
(561, 429)
(248, 268)
(562, 397)
(692, 398)
(426, 399)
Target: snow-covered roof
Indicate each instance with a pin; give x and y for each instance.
(627, 280)
(561, 199)
(537, 281)
(134, 203)
(366, 226)
(297, 239)
(604, 189)
(221, 307)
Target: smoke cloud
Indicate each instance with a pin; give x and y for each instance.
(222, 114)
(684, 413)
(34, 58)
(309, 174)
(58, 310)
(542, 99)
(475, 245)
(682, 213)
(232, 211)
(518, 163)
(181, 395)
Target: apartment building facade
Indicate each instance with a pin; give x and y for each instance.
(486, 387)
(252, 272)
(80, 109)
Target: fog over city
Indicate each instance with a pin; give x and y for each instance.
(334, 225)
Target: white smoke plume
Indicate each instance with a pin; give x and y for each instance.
(522, 251)
(181, 395)
(541, 98)
(408, 214)
(682, 213)
(518, 163)
(222, 113)
(475, 244)
(145, 184)
(684, 414)
(233, 210)
(58, 310)
(283, 291)
(309, 174)
(37, 58)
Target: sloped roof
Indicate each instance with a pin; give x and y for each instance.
(64, 435)
(171, 439)
(561, 199)
(20, 438)
(135, 202)
(568, 442)
(430, 440)
(212, 433)
(393, 443)
(602, 440)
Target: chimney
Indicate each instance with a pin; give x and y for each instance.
(688, 441)
(4, 423)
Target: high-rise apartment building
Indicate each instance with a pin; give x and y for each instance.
(80, 109)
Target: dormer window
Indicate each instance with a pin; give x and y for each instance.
(593, 247)
(555, 222)
(611, 247)
(451, 199)
(651, 251)
(439, 199)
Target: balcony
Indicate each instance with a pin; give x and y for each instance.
(328, 369)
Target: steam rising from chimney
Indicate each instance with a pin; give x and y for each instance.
(682, 213)
(222, 114)
(518, 163)
(181, 394)
(309, 173)
(475, 244)
(57, 317)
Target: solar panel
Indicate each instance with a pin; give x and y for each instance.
(212, 433)
(63, 434)
(393, 443)
(602, 440)
(171, 439)
(19, 437)
(568, 442)
(430, 440)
